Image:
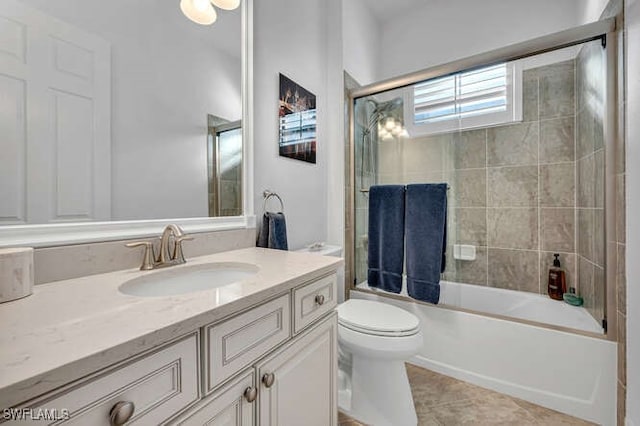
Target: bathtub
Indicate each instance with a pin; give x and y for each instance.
(574, 373)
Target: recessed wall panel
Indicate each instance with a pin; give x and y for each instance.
(72, 60)
(12, 40)
(73, 136)
(12, 150)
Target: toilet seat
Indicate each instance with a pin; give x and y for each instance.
(377, 319)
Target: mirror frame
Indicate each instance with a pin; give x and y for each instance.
(58, 234)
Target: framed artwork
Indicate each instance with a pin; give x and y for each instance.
(297, 116)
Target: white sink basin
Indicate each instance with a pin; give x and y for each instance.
(170, 282)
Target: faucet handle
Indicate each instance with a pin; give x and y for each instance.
(149, 258)
(178, 255)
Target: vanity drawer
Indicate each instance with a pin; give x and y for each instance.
(312, 301)
(236, 343)
(159, 385)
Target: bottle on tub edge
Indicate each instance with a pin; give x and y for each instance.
(557, 279)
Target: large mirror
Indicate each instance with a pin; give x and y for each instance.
(119, 110)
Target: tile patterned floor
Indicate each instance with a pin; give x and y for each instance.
(444, 401)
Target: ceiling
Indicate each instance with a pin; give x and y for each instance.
(388, 9)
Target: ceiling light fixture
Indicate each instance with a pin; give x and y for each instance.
(226, 4)
(199, 11)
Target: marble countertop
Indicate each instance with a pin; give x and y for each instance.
(69, 329)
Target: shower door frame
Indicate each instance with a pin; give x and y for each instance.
(605, 30)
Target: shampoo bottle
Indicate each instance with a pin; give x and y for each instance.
(557, 280)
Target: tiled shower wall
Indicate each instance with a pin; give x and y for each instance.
(365, 172)
(512, 188)
(590, 166)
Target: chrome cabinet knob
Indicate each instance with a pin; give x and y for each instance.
(121, 412)
(250, 394)
(268, 379)
(320, 299)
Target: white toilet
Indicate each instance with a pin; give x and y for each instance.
(378, 338)
(375, 339)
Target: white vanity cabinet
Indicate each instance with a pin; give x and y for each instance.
(272, 364)
(297, 386)
(298, 382)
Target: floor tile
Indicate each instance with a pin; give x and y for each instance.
(444, 401)
(546, 416)
(344, 420)
(430, 389)
(487, 410)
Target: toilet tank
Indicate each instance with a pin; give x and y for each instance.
(335, 251)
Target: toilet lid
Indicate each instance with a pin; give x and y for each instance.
(376, 318)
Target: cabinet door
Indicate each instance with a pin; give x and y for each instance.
(298, 383)
(230, 406)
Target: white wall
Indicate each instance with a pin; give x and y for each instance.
(632, 28)
(290, 37)
(361, 41)
(167, 75)
(592, 10)
(336, 120)
(444, 30)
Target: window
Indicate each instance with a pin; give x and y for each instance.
(479, 98)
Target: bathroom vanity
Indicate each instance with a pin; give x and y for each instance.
(260, 351)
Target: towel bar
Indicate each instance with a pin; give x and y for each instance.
(366, 190)
(268, 194)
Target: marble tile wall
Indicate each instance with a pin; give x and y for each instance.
(590, 166)
(365, 160)
(513, 189)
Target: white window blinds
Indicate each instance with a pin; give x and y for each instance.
(472, 93)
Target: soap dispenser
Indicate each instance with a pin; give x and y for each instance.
(557, 279)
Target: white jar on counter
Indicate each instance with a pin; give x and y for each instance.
(16, 273)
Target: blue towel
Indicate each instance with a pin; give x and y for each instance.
(386, 237)
(426, 225)
(273, 232)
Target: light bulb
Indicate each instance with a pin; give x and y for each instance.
(226, 4)
(200, 5)
(390, 124)
(199, 11)
(404, 133)
(396, 130)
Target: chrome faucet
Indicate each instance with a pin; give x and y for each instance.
(172, 234)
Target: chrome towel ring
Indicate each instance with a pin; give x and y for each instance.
(267, 195)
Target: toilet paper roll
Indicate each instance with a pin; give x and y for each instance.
(16, 273)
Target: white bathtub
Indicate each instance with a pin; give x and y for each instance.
(567, 372)
(515, 304)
